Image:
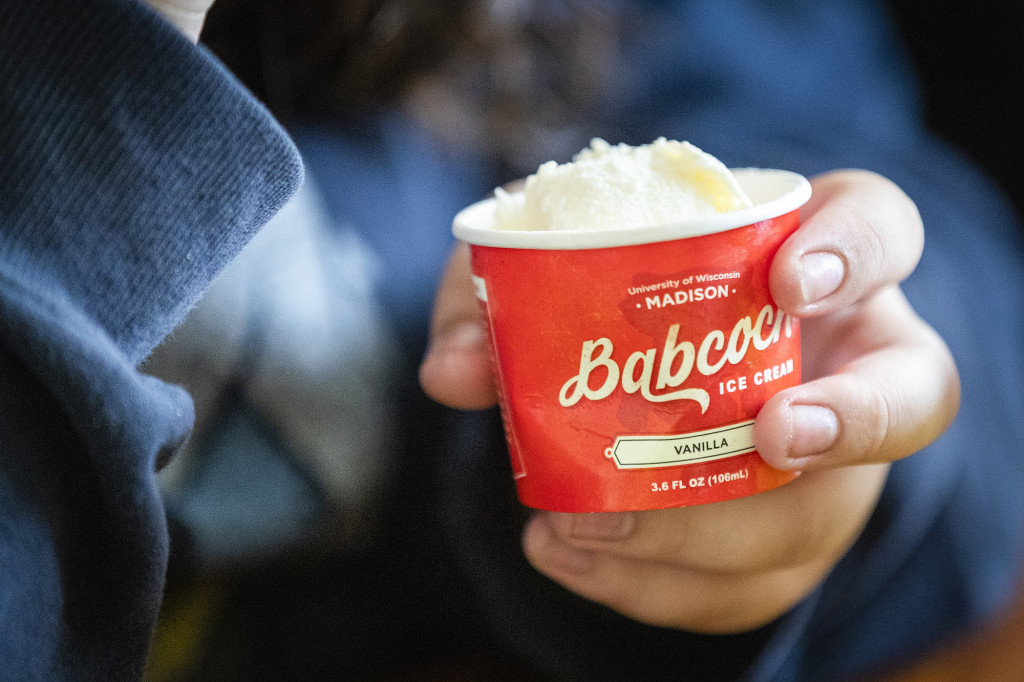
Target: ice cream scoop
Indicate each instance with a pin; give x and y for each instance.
(621, 186)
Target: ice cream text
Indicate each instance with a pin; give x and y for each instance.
(675, 364)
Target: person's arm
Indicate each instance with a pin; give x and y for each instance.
(132, 168)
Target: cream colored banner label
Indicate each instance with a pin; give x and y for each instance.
(644, 452)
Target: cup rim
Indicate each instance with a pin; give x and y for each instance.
(787, 192)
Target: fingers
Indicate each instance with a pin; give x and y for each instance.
(859, 231)
(879, 383)
(888, 388)
(739, 536)
(659, 594)
(724, 567)
(456, 370)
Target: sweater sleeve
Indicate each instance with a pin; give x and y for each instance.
(132, 169)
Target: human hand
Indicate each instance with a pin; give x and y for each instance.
(879, 385)
(187, 15)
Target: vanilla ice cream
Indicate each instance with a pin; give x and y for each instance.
(613, 187)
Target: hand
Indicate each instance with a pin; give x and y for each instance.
(879, 385)
(187, 15)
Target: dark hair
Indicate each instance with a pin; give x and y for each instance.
(311, 58)
(516, 79)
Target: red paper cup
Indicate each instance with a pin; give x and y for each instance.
(631, 363)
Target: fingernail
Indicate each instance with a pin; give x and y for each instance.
(544, 549)
(602, 526)
(456, 341)
(813, 430)
(821, 273)
(465, 336)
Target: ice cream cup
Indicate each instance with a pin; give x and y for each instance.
(631, 363)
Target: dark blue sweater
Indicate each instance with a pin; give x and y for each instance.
(132, 168)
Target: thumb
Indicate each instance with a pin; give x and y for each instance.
(456, 370)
